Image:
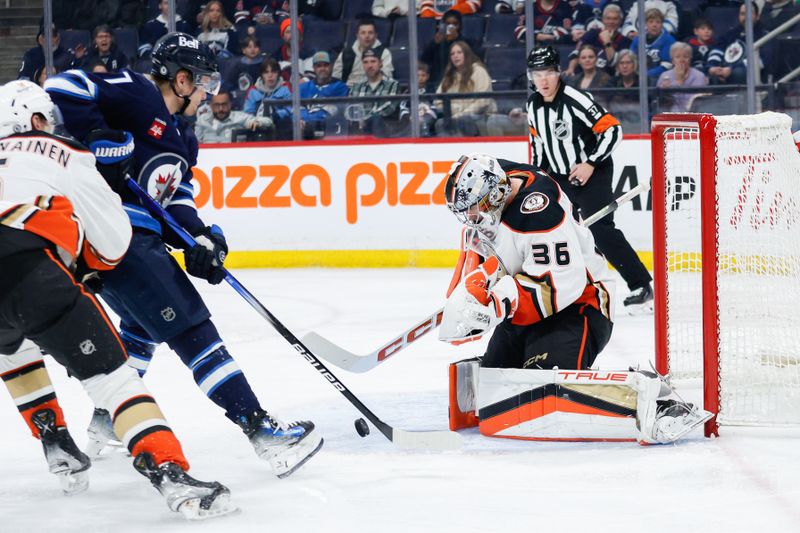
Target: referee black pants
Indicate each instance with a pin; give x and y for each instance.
(590, 198)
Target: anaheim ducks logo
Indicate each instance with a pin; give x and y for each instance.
(534, 203)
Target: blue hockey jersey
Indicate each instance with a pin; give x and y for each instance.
(128, 101)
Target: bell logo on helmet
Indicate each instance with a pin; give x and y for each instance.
(191, 43)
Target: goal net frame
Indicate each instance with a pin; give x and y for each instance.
(702, 131)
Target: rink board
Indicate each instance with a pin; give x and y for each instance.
(365, 203)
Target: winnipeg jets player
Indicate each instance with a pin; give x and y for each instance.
(58, 221)
(153, 296)
(532, 276)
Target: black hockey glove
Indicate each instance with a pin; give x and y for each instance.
(206, 258)
(89, 278)
(113, 150)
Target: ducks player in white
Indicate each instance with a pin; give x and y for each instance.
(530, 274)
(59, 222)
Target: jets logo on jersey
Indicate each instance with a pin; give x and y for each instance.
(156, 129)
(534, 203)
(162, 175)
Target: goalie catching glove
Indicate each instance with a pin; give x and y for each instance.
(485, 298)
(206, 258)
(113, 150)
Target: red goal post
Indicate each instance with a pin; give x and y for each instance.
(726, 251)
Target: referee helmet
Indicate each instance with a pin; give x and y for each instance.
(544, 58)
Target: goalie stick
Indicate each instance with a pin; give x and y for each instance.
(364, 363)
(442, 440)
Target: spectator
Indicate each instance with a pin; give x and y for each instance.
(437, 52)
(103, 48)
(464, 74)
(316, 120)
(349, 67)
(284, 53)
(216, 31)
(437, 9)
(776, 12)
(582, 19)
(727, 61)
(250, 12)
(667, 9)
(156, 28)
(682, 74)
(608, 39)
(506, 7)
(627, 72)
(657, 43)
(374, 116)
(96, 66)
(389, 8)
(218, 125)
(590, 76)
(427, 115)
(549, 17)
(702, 43)
(247, 69)
(270, 86)
(33, 60)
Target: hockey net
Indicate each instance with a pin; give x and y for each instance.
(726, 238)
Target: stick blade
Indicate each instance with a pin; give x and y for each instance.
(325, 349)
(427, 440)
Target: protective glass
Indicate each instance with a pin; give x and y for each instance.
(210, 83)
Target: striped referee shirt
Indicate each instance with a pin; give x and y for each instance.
(571, 129)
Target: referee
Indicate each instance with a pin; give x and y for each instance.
(572, 138)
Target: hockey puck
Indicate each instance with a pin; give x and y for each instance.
(361, 427)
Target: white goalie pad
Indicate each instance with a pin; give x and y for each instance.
(558, 404)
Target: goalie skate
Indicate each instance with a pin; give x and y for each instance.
(63, 456)
(286, 447)
(194, 499)
(670, 420)
(102, 439)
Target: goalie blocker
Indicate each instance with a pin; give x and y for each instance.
(568, 405)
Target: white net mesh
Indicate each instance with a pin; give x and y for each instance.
(758, 210)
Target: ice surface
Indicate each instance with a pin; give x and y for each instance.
(745, 481)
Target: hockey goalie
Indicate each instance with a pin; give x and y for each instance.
(529, 274)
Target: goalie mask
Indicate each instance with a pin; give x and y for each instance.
(476, 191)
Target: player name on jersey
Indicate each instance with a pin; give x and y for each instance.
(39, 146)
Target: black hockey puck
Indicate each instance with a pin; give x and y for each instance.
(361, 427)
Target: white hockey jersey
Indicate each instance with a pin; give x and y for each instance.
(49, 186)
(551, 256)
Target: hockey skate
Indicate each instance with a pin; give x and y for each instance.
(64, 458)
(101, 435)
(640, 301)
(195, 500)
(286, 447)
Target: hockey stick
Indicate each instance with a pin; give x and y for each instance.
(443, 440)
(364, 363)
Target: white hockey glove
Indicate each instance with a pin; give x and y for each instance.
(479, 304)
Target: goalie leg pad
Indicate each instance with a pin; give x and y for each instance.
(556, 405)
(463, 394)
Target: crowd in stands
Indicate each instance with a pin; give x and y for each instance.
(359, 49)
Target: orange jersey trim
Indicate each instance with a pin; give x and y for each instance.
(605, 122)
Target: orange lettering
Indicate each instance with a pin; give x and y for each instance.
(217, 188)
(202, 192)
(391, 183)
(269, 197)
(236, 198)
(351, 189)
(419, 171)
(438, 194)
(304, 199)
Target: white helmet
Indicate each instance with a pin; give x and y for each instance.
(476, 191)
(19, 101)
